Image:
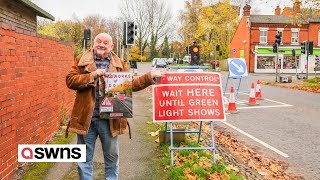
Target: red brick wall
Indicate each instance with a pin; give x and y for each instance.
(33, 94)
(314, 29)
(241, 41)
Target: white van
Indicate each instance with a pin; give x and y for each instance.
(186, 59)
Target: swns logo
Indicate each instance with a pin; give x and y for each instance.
(51, 153)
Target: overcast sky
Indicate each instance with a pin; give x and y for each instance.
(64, 9)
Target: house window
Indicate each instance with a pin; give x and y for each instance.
(295, 36)
(263, 36)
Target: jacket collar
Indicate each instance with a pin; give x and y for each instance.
(87, 58)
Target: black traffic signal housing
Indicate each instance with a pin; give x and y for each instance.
(278, 38)
(303, 47)
(195, 55)
(188, 49)
(275, 48)
(129, 32)
(87, 34)
(310, 47)
(217, 47)
(293, 53)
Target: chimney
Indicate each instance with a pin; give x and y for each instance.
(296, 7)
(246, 10)
(277, 11)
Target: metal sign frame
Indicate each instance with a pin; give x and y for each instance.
(237, 71)
(171, 131)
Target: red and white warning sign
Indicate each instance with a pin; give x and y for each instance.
(188, 97)
(106, 102)
(106, 105)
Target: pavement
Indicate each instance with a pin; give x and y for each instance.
(137, 155)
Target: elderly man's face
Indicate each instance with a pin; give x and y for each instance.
(103, 45)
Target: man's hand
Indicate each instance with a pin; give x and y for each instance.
(158, 73)
(98, 73)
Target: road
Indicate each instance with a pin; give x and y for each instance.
(284, 126)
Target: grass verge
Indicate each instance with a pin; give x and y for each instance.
(190, 164)
(39, 170)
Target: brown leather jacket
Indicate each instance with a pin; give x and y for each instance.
(80, 79)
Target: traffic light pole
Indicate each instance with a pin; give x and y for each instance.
(307, 52)
(277, 59)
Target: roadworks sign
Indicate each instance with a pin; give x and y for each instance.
(106, 102)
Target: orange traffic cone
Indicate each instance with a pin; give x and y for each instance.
(258, 91)
(252, 98)
(232, 102)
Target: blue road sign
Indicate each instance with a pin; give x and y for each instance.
(237, 67)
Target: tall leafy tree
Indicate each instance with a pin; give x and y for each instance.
(189, 20)
(152, 18)
(165, 48)
(217, 22)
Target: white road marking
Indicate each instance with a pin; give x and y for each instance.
(260, 107)
(258, 141)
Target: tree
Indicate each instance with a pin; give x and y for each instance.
(135, 54)
(153, 49)
(165, 48)
(152, 18)
(178, 49)
(216, 24)
(97, 22)
(309, 10)
(189, 21)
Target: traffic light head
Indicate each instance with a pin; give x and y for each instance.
(130, 33)
(293, 53)
(278, 38)
(217, 47)
(275, 48)
(310, 48)
(195, 55)
(195, 49)
(303, 47)
(87, 34)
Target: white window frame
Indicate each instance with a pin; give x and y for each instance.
(260, 37)
(280, 30)
(294, 30)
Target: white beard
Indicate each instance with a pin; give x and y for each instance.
(100, 52)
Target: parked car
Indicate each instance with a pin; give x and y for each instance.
(154, 61)
(170, 61)
(161, 63)
(186, 59)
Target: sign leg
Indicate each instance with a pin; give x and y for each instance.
(171, 143)
(199, 134)
(213, 146)
(165, 134)
(225, 88)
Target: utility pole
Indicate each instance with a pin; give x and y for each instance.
(277, 61)
(277, 44)
(307, 53)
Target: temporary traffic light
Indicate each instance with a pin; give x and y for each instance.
(129, 32)
(275, 48)
(195, 55)
(278, 38)
(303, 47)
(87, 34)
(310, 48)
